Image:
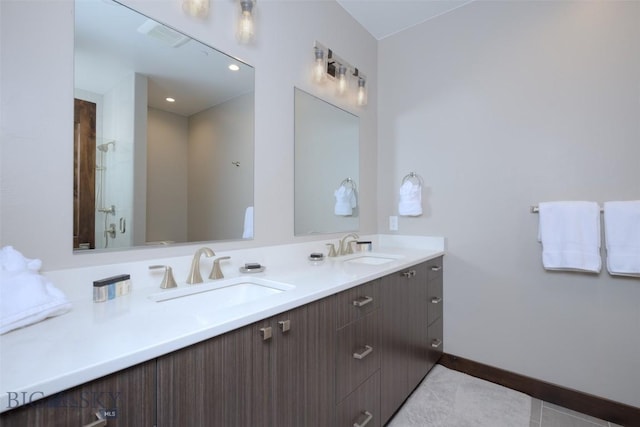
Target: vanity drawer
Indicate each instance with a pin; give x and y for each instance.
(357, 354)
(355, 303)
(435, 269)
(362, 407)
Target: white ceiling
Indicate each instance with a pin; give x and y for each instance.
(108, 47)
(383, 18)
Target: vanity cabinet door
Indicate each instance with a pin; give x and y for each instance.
(404, 336)
(287, 352)
(127, 397)
(417, 323)
(209, 383)
(303, 366)
(321, 363)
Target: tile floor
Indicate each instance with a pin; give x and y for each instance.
(544, 414)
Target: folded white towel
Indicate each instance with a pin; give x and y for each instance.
(622, 237)
(570, 236)
(410, 199)
(247, 232)
(345, 200)
(26, 297)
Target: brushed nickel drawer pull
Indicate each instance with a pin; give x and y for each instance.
(436, 300)
(364, 352)
(436, 268)
(285, 325)
(266, 333)
(100, 422)
(436, 343)
(368, 416)
(362, 301)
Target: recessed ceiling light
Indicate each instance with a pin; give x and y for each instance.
(234, 67)
(170, 100)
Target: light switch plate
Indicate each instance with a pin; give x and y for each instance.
(393, 223)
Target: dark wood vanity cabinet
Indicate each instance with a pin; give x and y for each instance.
(348, 359)
(126, 398)
(270, 373)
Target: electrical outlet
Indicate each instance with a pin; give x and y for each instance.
(393, 223)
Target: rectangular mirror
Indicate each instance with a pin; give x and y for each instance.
(163, 134)
(326, 167)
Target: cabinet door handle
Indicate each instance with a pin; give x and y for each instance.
(362, 301)
(363, 353)
(409, 274)
(436, 268)
(101, 421)
(285, 325)
(436, 300)
(436, 343)
(368, 416)
(266, 333)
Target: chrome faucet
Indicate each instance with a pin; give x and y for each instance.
(345, 246)
(194, 274)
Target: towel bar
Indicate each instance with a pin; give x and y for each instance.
(536, 209)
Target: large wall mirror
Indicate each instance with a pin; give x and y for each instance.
(163, 134)
(326, 167)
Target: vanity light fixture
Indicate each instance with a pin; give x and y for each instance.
(342, 79)
(361, 96)
(246, 27)
(319, 66)
(196, 8)
(345, 76)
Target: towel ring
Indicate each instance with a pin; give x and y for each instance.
(348, 181)
(414, 178)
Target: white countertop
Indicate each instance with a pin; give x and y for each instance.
(97, 339)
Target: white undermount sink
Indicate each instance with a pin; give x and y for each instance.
(372, 259)
(226, 292)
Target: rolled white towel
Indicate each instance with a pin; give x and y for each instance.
(26, 297)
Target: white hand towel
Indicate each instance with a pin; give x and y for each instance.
(570, 236)
(26, 297)
(410, 199)
(345, 201)
(622, 237)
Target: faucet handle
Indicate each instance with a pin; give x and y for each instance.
(348, 250)
(167, 281)
(332, 250)
(216, 271)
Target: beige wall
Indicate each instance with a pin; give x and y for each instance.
(219, 191)
(499, 106)
(37, 115)
(167, 156)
